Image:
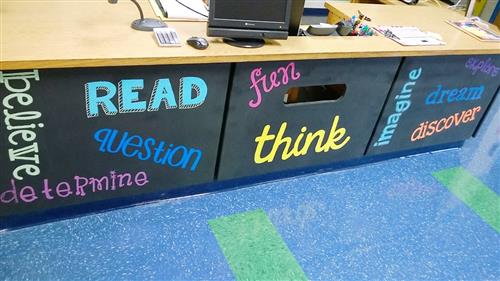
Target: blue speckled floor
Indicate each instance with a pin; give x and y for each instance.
(391, 220)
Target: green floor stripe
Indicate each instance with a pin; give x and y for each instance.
(469, 189)
(254, 249)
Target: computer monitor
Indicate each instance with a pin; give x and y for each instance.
(295, 17)
(245, 23)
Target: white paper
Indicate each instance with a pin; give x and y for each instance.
(185, 9)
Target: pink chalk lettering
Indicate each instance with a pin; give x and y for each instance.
(46, 190)
(141, 179)
(259, 81)
(26, 194)
(63, 189)
(4, 197)
(79, 186)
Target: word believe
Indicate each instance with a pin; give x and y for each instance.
(454, 95)
(336, 140)
(21, 124)
(274, 81)
(135, 146)
(78, 186)
(483, 66)
(427, 129)
(128, 97)
(403, 102)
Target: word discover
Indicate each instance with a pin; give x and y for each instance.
(427, 129)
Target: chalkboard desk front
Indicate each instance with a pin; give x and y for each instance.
(96, 115)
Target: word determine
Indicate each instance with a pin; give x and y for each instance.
(427, 129)
(454, 95)
(63, 189)
(128, 97)
(287, 71)
(136, 146)
(21, 123)
(403, 102)
(332, 142)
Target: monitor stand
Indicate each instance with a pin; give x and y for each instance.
(244, 42)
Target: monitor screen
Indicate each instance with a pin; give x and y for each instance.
(253, 10)
(245, 23)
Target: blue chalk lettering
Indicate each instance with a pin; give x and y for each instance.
(134, 146)
(102, 138)
(130, 142)
(162, 92)
(93, 101)
(188, 85)
(128, 98)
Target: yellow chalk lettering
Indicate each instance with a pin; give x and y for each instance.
(260, 140)
(337, 139)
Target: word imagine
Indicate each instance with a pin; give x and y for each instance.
(274, 82)
(135, 146)
(427, 129)
(454, 95)
(78, 186)
(403, 102)
(336, 140)
(21, 124)
(128, 96)
(484, 66)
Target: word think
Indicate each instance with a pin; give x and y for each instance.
(403, 102)
(135, 146)
(454, 95)
(77, 186)
(484, 66)
(21, 123)
(277, 78)
(128, 96)
(427, 129)
(335, 140)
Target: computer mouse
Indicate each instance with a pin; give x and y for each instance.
(199, 43)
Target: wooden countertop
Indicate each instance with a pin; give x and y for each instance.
(430, 19)
(70, 33)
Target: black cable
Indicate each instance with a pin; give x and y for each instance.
(192, 10)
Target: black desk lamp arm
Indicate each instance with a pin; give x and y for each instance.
(138, 7)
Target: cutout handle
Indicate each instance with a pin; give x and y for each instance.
(298, 95)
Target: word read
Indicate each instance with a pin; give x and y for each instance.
(128, 96)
